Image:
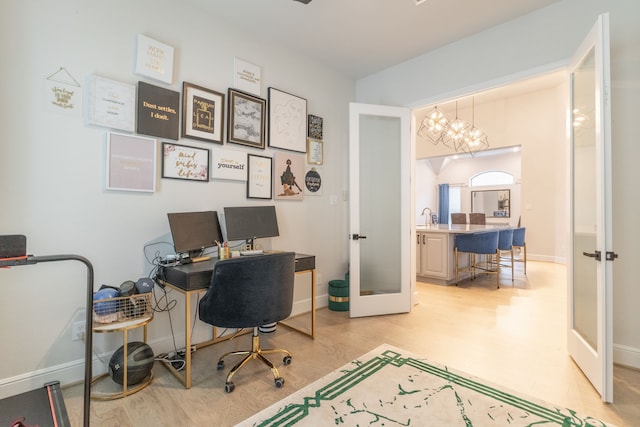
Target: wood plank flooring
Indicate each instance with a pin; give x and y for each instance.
(512, 336)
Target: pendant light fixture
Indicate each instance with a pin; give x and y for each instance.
(475, 139)
(433, 126)
(456, 132)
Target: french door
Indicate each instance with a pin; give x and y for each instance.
(380, 250)
(590, 272)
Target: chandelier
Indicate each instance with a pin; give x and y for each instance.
(459, 135)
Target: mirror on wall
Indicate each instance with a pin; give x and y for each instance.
(493, 203)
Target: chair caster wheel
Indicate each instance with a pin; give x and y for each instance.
(287, 360)
(229, 387)
(220, 364)
(279, 382)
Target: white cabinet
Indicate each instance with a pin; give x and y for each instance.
(432, 254)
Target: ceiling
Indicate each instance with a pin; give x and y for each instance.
(361, 37)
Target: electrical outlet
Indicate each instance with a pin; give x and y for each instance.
(78, 331)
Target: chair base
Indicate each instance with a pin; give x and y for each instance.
(255, 353)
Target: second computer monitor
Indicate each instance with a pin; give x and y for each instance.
(250, 222)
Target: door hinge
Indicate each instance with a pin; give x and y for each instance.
(610, 255)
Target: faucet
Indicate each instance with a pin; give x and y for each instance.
(428, 217)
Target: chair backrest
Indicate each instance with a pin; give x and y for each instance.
(505, 239)
(249, 291)
(458, 218)
(484, 242)
(477, 218)
(518, 236)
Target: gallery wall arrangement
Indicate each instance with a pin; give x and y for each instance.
(148, 118)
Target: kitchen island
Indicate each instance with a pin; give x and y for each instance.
(434, 250)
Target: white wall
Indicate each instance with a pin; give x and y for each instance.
(52, 169)
(525, 47)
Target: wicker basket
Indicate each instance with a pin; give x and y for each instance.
(121, 309)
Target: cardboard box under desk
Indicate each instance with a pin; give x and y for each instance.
(197, 275)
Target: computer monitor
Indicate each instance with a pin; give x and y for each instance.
(250, 223)
(193, 232)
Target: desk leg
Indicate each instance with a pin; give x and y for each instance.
(313, 303)
(187, 341)
(312, 334)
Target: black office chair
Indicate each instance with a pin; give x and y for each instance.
(247, 292)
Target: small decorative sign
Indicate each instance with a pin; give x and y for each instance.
(229, 164)
(154, 59)
(314, 151)
(313, 182)
(63, 93)
(247, 77)
(158, 111)
(314, 127)
(182, 162)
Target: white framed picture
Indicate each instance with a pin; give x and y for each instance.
(131, 163)
(154, 59)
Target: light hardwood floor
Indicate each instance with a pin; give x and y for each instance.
(512, 336)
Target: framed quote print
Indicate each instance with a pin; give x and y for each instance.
(202, 113)
(183, 162)
(131, 163)
(259, 173)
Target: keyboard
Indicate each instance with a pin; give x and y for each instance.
(252, 252)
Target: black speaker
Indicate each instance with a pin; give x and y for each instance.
(144, 285)
(13, 246)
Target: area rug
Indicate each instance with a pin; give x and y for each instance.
(392, 387)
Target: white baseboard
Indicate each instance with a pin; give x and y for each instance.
(626, 356)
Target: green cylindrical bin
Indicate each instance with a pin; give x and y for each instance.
(338, 295)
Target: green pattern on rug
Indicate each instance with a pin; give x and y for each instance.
(391, 387)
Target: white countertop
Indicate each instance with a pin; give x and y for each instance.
(458, 228)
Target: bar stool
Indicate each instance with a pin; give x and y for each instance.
(477, 218)
(519, 243)
(481, 243)
(505, 244)
(458, 218)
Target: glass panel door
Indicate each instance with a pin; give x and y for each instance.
(380, 223)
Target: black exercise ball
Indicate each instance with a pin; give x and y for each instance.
(139, 363)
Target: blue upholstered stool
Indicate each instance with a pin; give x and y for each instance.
(519, 243)
(480, 243)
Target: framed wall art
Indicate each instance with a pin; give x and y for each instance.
(131, 163)
(247, 119)
(315, 152)
(313, 181)
(289, 176)
(314, 127)
(287, 121)
(111, 104)
(158, 111)
(183, 162)
(154, 59)
(259, 173)
(228, 164)
(202, 113)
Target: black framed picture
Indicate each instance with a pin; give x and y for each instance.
(247, 119)
(202, 113)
